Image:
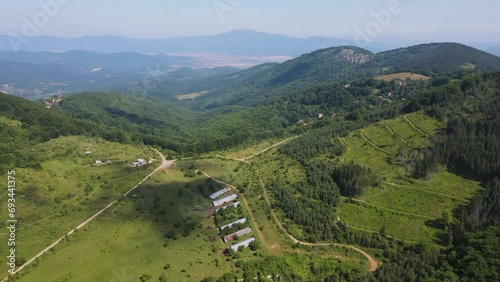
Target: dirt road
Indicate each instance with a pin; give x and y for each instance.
(266, 149)
(371, 260)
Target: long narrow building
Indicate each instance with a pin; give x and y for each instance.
(235, 204)
(225, 200)
(245, 244)
(219, 193)
(239, 221)
(240, 233)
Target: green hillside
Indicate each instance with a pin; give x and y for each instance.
(435, 58)
(331, 167)
(332, 65)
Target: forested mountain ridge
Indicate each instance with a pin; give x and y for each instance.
(333, 65)
(436, 58)
(327, 65)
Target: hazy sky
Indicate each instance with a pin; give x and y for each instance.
(419, 20)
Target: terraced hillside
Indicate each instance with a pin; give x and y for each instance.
(407, 208)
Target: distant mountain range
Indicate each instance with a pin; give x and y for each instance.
(238, 42)
(40, 74)
(244, 42)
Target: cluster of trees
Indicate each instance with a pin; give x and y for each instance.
(315, 143)
(293, 267)
(353, 180)
(316, 218)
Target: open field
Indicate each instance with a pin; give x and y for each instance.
(130, 240)
(403, 75)
(401, 226)
(69, 189)
(382, 136)
(190, 96)
(405, 133)
(422, 123)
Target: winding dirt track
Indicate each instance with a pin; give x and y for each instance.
(371, 260)
(362, 133)
(164, 164)
(412, 124)
(265, 150)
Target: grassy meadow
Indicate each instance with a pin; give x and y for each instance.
(69, 189)
(165, 229)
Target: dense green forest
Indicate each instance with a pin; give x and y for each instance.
(436, 58)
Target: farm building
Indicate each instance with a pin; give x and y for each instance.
(245, 244)
(235, 204)
(240, 233)
(239, 221)
(225, 200)
(139, 162)
(219, 193)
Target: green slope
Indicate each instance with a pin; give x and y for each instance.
(338, 64)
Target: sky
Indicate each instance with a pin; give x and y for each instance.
(416, 20)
